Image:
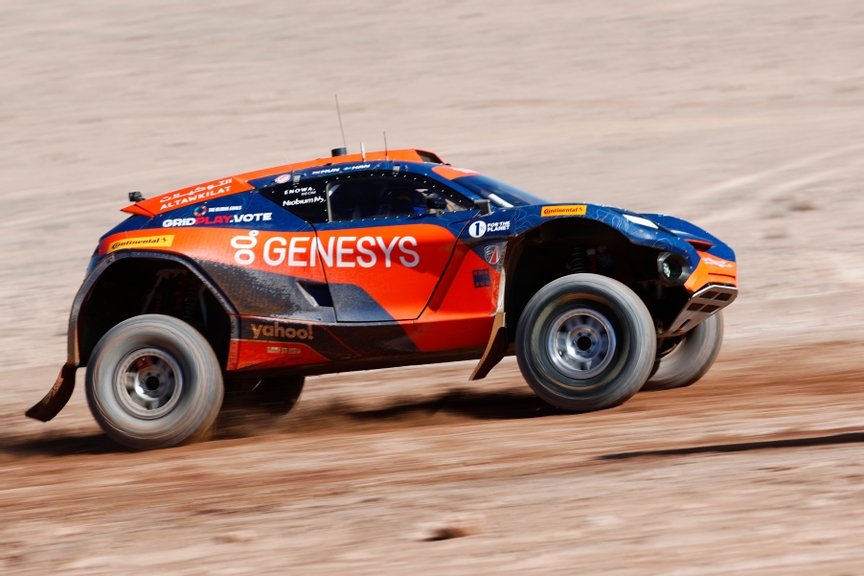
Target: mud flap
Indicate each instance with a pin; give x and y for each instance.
(57, 397)
(495, 349)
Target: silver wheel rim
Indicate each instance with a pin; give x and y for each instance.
(149, 383)
(581, 343)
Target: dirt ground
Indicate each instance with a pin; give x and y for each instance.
(744, 117)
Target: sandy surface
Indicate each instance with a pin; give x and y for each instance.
(745, 117)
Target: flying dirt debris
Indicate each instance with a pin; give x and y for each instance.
(240, 287)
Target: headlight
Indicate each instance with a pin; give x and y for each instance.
(673, 269)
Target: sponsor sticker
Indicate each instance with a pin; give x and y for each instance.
(202, 220)
(281, 331)
(282, 350)
(299, 201)
(301, 191)
(336, 252)
(283, 178)
(197, 194)
(716, 262)
(452, 173)
(142, 242)
(492, 254)
(482, 279)
(568, 210)
(479, 228)
(204, 209)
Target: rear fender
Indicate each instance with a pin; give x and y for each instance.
(74, 350)
(56, 398)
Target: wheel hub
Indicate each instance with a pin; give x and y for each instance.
(580, 343)
(148, 383)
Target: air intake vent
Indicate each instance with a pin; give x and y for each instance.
(702, 305)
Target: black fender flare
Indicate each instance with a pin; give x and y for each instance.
(56, 398)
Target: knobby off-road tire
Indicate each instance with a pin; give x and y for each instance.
(153, 381)
(691, 358)
(585, 342)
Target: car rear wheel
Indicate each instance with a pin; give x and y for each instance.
(256, 405)
(585, 342)
(153, 381)
(272, 396)
(690, 358)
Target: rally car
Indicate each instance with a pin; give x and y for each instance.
(243, 286)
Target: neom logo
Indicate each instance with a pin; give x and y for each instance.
(278, 331)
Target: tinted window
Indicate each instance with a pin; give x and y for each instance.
(305, 198)
(499, 193)
(388, 196)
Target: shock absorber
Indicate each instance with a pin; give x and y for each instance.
(577, 263)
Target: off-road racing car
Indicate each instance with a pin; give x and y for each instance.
(243, 286)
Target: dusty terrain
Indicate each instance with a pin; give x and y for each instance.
(745, 117)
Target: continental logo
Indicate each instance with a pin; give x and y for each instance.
(281, 332)
(164, 241)
(569, 210)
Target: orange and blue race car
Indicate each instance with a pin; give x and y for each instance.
(241, 287)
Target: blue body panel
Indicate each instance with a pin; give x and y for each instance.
(240, 210)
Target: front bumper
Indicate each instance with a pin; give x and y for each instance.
(704, 303)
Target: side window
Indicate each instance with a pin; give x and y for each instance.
(305, 199)
(368, 197)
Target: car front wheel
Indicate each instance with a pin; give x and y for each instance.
(585, 342)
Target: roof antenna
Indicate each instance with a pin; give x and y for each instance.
(386, 157)
(362, 151)
(341, 129)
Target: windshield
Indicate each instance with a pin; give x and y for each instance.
(498, 193)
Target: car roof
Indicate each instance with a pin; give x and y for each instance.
(240, 183)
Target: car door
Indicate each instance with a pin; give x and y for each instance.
(387, 241)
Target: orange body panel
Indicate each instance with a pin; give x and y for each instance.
(262, 355)
(452, 173)
(398, 266)
(190, 196)
(712, 270)
(461, 312)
